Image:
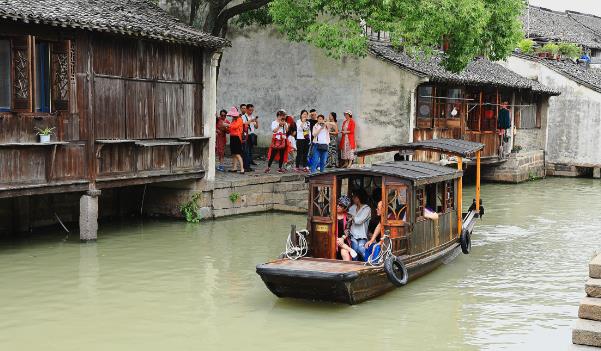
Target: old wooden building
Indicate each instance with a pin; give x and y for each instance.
(128, 91)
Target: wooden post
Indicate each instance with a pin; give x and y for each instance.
(478, 181)
(459, 196)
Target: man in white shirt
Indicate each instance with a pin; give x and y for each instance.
(253, 124)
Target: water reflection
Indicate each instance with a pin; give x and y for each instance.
(159, 285)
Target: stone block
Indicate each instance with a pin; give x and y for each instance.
(223, 203)
(593, 287)
(222, 193)
(573, 347)
(590, 308)
(268, 187)
(594, 267)
(597, 173)
(205, 212)
(88, 218)
(587, 332)
(249, 189)
(291, 186)
(278, 198)
(296, 195)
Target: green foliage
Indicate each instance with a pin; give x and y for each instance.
(45, 131)
(526, 46)
(234, 197)
(570, 50)
(258, 17)
(190, 209)
(473, 28)
(550, 48)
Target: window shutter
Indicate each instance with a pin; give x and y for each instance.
(59, 73)
(22, 77)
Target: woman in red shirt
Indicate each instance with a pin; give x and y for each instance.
(236, 127)
(347, 143)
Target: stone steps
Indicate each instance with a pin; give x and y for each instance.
(594, 268)
(590, 308)
(587, 332)
(593, 287)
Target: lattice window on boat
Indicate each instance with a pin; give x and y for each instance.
(419, 199)
(450, 195)
(396, 207)
(321, 200)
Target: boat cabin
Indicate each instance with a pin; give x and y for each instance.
(406, 189)
(415, 242)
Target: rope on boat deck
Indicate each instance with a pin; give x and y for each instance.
(385, 252)
(294, 252)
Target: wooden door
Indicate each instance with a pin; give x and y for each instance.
(322, 215)
(396, 216)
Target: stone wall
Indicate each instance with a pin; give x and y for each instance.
(519, 167)
(265, 69)
(574, 125)
(226, 197)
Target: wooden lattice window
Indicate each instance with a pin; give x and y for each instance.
(60, 75)
(396, 203)
(419, 202)
(21, 63)
(321, 200)
(449, 195)
(5, 79)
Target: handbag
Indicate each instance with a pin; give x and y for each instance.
(278, 141)
(322, 147)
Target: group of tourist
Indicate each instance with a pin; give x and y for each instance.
(308, 143)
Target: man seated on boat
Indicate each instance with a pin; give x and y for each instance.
(360, 215)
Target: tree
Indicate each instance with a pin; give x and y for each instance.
(490, 28)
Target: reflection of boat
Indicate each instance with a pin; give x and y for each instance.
(413, 245)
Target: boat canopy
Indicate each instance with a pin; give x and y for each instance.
(417, 172)
(462, 148)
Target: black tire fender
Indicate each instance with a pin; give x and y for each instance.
(396, 271)
(466, 242)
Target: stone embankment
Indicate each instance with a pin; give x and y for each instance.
(587, 330)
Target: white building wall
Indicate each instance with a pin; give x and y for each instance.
(265, 69)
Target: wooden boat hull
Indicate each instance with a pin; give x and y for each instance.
(338, 281)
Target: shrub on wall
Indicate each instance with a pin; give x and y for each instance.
(526, 46)
(570, 50)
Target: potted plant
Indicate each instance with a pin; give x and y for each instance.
(551, 49)
(526, 46)
(516, 149)
(45, 133)
(569, 50)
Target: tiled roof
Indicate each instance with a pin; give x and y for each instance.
(139, 18)
(549, 25)
(589, 77)
(590, 21)
(478, 73)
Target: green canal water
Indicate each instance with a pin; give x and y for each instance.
(166, 285)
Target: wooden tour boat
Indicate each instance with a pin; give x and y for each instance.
(413, 245)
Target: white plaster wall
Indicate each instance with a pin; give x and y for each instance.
(265, 69)
(574, 117)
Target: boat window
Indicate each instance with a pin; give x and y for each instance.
(419, 202)
(440, 197)
(431, 197)
(450, 195)
(396, 203)
(321, 200)
(371, 185)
